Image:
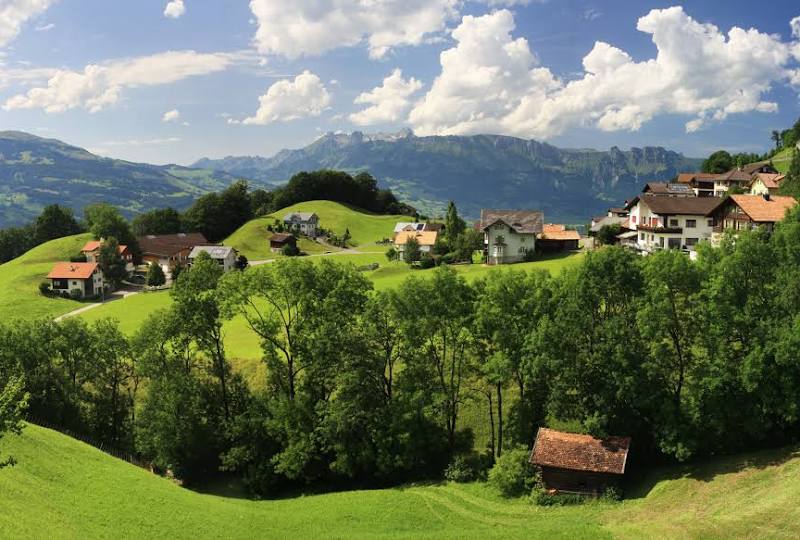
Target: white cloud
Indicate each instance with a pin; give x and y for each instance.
(491, 82)
(100, 85)
(387, 103)
(14, 13)
(171, 116)
(175, 9)
(45, 27)
(795, 24)
(286, 100)
(310, 27)
(507, 3)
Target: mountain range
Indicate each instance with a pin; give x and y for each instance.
(475, 171)
(35, 172)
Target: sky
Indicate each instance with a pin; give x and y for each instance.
(164, 81)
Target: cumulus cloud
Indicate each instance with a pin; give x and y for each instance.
(101, 85)
(15, 13)
(388, 102)
(171, 116)
(175, 9)
(287, 100)
(310, 27)
(795, 24)
(493, 82)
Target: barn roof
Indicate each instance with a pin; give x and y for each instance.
(552, 231)
(580, 452)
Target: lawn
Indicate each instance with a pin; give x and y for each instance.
(252, 238)
(22, 276)
(782, 160)
(62, 488)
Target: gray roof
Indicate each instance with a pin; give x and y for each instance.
(522, 221)
(299, 216)
(413, 226)
(697, 206)
(216, 252)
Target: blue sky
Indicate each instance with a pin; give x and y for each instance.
(170, 82)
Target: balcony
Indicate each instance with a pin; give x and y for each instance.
(659, 229)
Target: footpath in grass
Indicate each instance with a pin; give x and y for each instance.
(20, 279)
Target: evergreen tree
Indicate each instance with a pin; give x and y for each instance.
(155, 275)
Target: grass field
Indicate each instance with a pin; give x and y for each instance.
(20, 279)
(783, 159)
(252, 238)
(62, 488)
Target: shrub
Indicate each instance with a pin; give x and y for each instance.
(540, 497)
(44, 288)
(75, 294)
(426, 261)
(612, 494)
(512, 474)
(449, 258)
(391, 254)
(290, 250)
(468, 467)
(155, 275)
(65, 294)
(79, 258)
(529, 255)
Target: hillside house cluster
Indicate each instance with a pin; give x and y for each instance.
(511, 235)
(306, 223)
(699, 207)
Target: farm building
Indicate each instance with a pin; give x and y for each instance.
(557, 238)
(169, 250)
(79, 279)
(575, 463)
(278, 241)
(224, 256)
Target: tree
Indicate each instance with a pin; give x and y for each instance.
(111, 262)
(776, 138)
(55, 222)
(391, 254)
(411, 252)
(218, 215)
(454, 226)
(13, 403)
(607, 235)
(104, 221)
(155, 275)
(242, 263)
(791, 184)
(436, 318)
(158, 221)
(718, 163)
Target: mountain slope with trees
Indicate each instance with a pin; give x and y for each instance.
(475, 171)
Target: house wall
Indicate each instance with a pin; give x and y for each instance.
(515, 244)
(578, 481)
(92, 286)
(758, 188)
(688, 237)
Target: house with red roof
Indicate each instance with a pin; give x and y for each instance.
(91, 250)
(81, 280)
(742, 212)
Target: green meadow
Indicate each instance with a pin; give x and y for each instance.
(63, 488)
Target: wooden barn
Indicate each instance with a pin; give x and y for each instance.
(574, 463)
(556, 237)
(280, 240)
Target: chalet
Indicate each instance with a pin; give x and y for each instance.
(278, 241)
(614, 216)
(224, 256)
(306, 223)
(169, 250)
(766, 183)
(735, 178)
(759, 167)
(671, 222)
(741, 212)
(668, 189)
(557, 238)
(425, 239)
(509, 234)
(92, 251)
(702, 184)
(407, 226)
(573, 463)
(83, 280)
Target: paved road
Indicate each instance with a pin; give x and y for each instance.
(116, 295)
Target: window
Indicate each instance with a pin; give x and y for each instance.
(641, 237)
(691, 223)
(652, 237)
(673, 222)
(710, 222)
(691, 242)
(661, 241)
(633, 219)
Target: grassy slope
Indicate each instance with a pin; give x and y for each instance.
(63, 488)
(782, 160)
(252, 238)
(20, 278)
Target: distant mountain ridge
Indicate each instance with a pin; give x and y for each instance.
(35, 172)
(475, 171)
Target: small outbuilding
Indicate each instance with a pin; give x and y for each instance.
(278, 241)
(575, 463)
(557, 238)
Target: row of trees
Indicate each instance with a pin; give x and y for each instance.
(689, 358)
(54, 222)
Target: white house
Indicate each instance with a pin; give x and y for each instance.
(766, 183)
(672, 222)
(224, 255)
(86, 279)
(306, 223)
(509, 234)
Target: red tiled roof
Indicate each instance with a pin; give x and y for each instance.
(770, 180)
(687, 178)
(280, 238)
(558, 232)
(71, 270)
(580, 452)
(94, 245)
(764, 210)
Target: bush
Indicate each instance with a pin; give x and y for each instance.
(612, 494)
(65, 294)
(155, 275)
(540, 497)
(44, 288)
(468, 467)
(290, 250)
(426, 261)
(391, 254)
(529, 255)
(449, 258)
(75, 294)
(512, 474)
(79, 258)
